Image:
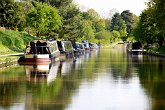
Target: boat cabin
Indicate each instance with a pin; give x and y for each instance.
(41, 50)
(65, 48)
(137, 48)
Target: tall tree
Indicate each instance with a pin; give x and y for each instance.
(98, 24)
(159, 16)
(43, 19)
(8, 15)
(22, 10)
(118, 24)
(128, 17)
(72, 22)
(59, 3)
(147, 30)
(88, 31)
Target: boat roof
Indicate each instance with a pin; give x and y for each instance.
(35, 41)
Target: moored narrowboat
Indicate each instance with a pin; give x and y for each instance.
(41, 51)
(66, 49)
(135, 48)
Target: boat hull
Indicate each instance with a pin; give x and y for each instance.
(41, 58)
(137, 51)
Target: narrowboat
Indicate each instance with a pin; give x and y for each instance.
(42, 72)
(93, 46)
(66, 49)
(79, 48)
(41, 51)
(86, 45)
(135, 48)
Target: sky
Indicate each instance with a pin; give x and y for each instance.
(104, 6)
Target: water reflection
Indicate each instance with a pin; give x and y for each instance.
(152, 78)
(12, 90)
(66, 67)
(108, 79)
(42, 72)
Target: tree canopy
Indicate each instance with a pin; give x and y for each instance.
(62, 19)
(43, 19)
(128, 17)
(151, 26)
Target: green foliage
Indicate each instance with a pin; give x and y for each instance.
(72, 22)
(129, 19)
(62, 19)
(158, 7)
(158, 11)
(118, 24)
(108, 24)
(98, 24)
(147, 30)
(103, 35)
(8, 15)
(43, 19)
(57, 3)
(13, 41)
(131, 38)
(115, 36)
(151, 26)
(22, 10)
(88, 31)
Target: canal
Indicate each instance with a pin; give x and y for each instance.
(106, 79)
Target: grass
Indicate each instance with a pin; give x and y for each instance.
(13, 42)
(160, 50)
(8, 58)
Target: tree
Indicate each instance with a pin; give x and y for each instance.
(115, 36)
(118, 24)
(98, 24)
(88, 31)
(93, 14)
(158, 7)
(60, 3)
(72, 22)
(103, 35)
(108, 24)
(147, 30)
(8, 15)
(43, 19)
(22, 10)
(128, 17)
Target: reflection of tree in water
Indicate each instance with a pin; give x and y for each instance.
(55, 95)
(58, 94)
(152, 78)
(10, 93)
(120, 64)
(11, 86)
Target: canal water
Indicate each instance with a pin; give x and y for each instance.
(105, 79)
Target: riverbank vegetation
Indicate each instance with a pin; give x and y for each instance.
(150, 28)
(13, 41)
(63, 19)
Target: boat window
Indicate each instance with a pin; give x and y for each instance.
(45, 49)
(32, 48)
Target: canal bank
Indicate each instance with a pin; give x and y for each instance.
(9, 59)
(158, 54)
(98, 80)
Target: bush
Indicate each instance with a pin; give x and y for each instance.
(14, 40)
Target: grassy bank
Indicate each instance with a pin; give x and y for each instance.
(13, 41)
